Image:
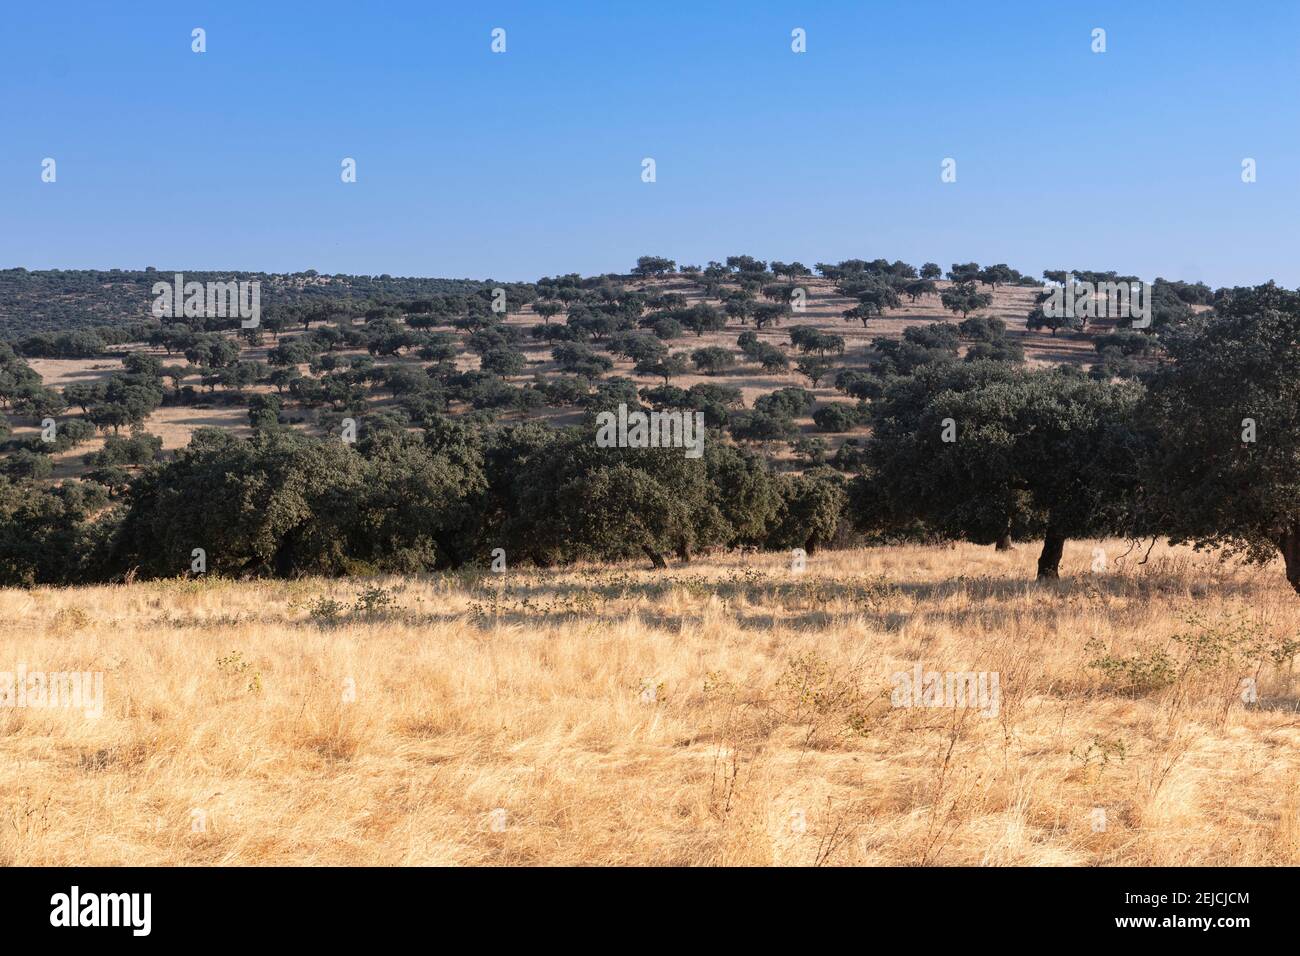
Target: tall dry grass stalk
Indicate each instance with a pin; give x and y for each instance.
(728, 712)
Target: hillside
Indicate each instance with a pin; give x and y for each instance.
(407, 435)
(217, 406)
(66, 300)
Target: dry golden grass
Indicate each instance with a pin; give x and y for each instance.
(619, 716)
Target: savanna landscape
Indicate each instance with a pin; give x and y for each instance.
(861, 438)
(467, 633)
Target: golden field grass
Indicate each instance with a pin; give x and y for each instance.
(726, 712)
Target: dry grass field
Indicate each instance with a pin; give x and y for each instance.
(731, 711)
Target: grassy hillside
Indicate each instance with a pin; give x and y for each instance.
(174, 423)
(728, 712)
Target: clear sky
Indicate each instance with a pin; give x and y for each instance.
(528, 163)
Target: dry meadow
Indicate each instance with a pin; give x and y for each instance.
(732, 711)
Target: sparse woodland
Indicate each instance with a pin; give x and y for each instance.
(370, 425)
(435, 621)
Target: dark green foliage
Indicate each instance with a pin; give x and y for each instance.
(809, 340)
(264, 411)
(919, 288)
(49, 535)
(666, 367)
(715, 401)
(638, 346)
(859, 384)
(761, 428)
(653, 266)
(1039, 318)
(1126, 343)
(769, 312)
(702, 318)
(769, 356)
(713, 359)
(667, 328)
(1001, 350)
(851, 456)
(811, 450)
(124, 400)
(981, 328)
(788, 402)
(1112, 363)
(284, 504)
(140, 448)
(26, 463)
(837, 417)
(964, 298)
(1031, 453)
(577, 500)
(581, 360)
(563, 389)
(504, 361)
(1217, 480)
(812, 505)
(938, 336)
(610, 393)
(875, 294)
(1056, 453)
(85, 343)
(894, 358)
(813, 369)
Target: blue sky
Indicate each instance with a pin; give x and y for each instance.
(516, 165)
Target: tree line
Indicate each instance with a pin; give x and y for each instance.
(1203, 450)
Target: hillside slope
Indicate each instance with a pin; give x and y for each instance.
(174, 423)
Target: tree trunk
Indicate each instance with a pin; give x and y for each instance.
(656, 558)
(810, 546)
(1004, 542)
(1049, 562)
(1289, 544)
(684, 552)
